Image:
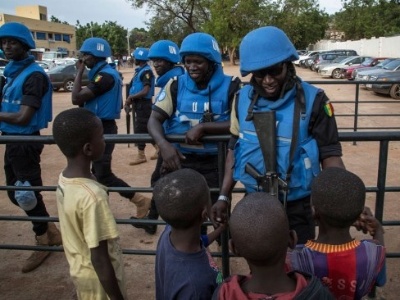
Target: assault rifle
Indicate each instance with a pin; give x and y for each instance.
(265, 125)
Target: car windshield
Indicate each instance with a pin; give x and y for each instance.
(385, 62)
(392, 65)
(348, 59)
(367, 62)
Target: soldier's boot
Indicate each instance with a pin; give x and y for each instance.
(142, 205)
(153, 215)
(156, 153)
(53, 234)
(138, 158)
(37, 257)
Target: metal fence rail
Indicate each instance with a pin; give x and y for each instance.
(383, 138)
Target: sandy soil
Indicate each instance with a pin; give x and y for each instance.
(51, 280)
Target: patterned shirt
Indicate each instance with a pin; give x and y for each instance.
(349, 270)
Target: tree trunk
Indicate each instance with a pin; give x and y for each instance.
(232, 56)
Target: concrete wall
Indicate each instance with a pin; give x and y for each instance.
(378, 47)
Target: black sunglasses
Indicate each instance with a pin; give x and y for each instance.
(273, 71)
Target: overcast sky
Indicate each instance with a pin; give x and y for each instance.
(99, 11)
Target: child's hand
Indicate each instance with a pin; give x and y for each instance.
(222, 226)
(367, 223)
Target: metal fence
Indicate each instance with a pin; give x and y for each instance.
(355, 115)
(380, 189)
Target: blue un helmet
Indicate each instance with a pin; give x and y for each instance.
(166, 50)
(19, 32)
(201, 44)
(141, 54)
(97, 47)
(265, 47)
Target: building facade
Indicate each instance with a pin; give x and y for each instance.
(48, 36)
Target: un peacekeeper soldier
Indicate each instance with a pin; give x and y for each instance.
(305, 127)
(26, 108)
(197, 103)
(141, 92)
(165, 57)
(103, 97)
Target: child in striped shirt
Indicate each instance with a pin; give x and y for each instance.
(349, 267)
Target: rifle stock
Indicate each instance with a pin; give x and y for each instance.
(264, 123)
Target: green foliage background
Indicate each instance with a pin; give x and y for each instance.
(229, 20)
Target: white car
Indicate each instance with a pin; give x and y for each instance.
(335, 70)
(306, 56)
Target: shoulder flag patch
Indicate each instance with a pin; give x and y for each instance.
(98, 78)
(147, 76)
(328, 108)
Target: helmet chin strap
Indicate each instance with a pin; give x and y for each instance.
(290, 79)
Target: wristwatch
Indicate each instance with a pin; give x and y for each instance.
(224, 198)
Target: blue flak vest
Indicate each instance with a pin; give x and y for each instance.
(162, 80)
(13, 92)
(107, 106)
(137, 84)
(191, 105)
(306, 165)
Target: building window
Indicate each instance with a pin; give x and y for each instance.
(50, 35)
(40, 35)
(57, 37)
(66, 38)
(43, 17)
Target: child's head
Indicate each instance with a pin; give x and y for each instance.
(78, 130)
(182, 198)
(338, 197)
(260, 229)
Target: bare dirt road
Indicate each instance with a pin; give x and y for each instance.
(51, 280)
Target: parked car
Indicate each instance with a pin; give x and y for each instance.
(301, 52)
(334, 70)
(362, 74)
(302, 58)
(348, 72)
(322, 64)
(387, 83)
(309, 62)
(392, 66)
(323, 58)
(344, 52)
(64, 76)
(44, 65)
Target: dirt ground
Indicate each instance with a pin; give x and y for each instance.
(51, 280)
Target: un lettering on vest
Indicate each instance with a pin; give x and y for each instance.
(195, 106)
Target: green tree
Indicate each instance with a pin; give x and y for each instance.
(110, 31)
(174, 19)
(56, 20)
(231, 19)
(302, 20)
(139, 37)
(368, 18)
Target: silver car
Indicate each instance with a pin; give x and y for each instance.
(335, 70)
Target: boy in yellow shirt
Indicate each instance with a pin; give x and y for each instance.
(88, 227)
